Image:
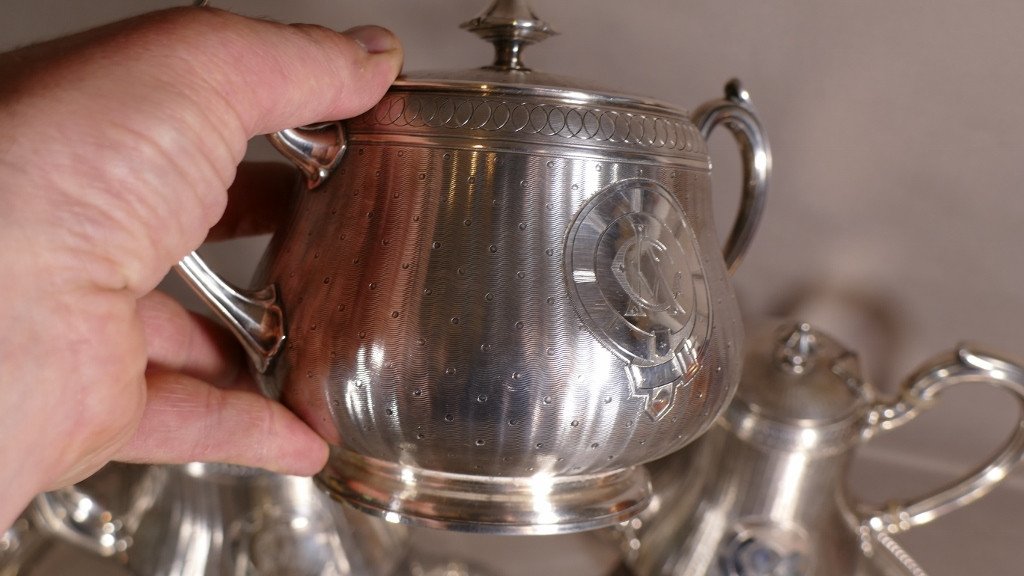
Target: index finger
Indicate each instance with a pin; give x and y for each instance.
(142, 123)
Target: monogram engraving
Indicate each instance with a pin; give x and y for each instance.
(639, 267)
(637, 282)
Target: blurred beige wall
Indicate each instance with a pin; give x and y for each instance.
(895, 220)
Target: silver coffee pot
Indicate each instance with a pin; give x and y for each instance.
(501, 292)
(763, 493)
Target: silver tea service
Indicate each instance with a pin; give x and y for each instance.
(501, 292)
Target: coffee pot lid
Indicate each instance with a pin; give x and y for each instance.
(800, 389)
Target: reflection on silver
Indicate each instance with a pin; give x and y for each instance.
(315, 149)
(426, 566)
(444, 332)
(211, 519)
(254, 317)
(16, 544)
(966, 364)
(102, 518)
(736, 112)
(27, 549)
(764, 548)
(771, 499)
(509, 25)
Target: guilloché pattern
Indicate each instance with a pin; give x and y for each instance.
(546, 119)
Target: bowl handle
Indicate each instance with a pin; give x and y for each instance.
(966, 364)
(737, 113)
(316, 149)
(255, 316)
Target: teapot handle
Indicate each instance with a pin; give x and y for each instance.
(966, 364)
(737, 113)
(74, 515)
(255, 316)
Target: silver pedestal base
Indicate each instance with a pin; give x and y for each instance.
(486, 504)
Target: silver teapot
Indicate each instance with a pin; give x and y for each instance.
(26, 549)
(501, 292)
(763, 492)
(203, 519)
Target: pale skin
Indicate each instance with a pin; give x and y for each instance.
(118, 148)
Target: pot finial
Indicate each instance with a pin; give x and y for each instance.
(509, 25)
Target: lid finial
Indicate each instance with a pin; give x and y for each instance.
(796, 350)
(509, 25)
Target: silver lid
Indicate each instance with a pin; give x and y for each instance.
(506, 100)
(801, 390)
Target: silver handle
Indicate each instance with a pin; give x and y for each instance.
(963, 365)
(75, 515)
(72, 515)
(255, 317)
(316, 149)
(736, 112)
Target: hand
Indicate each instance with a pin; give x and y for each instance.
(118, 147)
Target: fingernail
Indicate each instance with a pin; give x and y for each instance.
(373, 38)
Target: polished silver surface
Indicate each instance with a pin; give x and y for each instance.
(526, 505)
(253, 316)
(506, 296)
(509, 25)
(27, 549)
(428, 566)
(211, 519)
(103, 516)
(16, 546)
(736, 112)
(965, 365)
(314, 149)
(771, 498)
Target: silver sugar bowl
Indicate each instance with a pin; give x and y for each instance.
(502, 292)
(763, 493)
